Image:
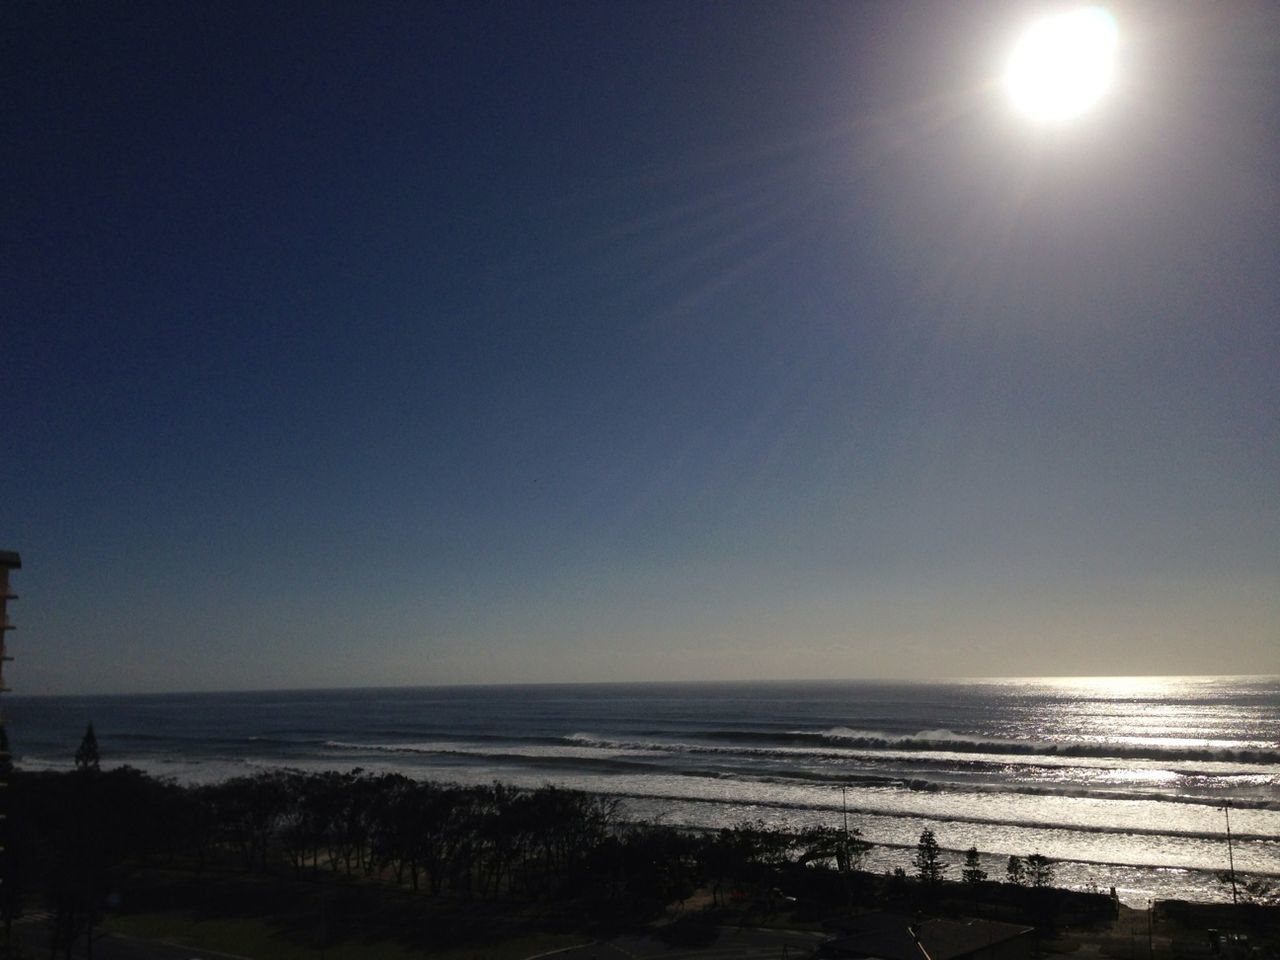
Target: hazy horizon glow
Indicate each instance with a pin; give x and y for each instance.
(507, 342)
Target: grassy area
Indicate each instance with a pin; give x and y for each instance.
(329, 917)
(263, 939)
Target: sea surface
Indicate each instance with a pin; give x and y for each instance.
(1123, 781)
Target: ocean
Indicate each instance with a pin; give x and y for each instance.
(1122, 781)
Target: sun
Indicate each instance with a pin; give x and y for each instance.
(1062, 65)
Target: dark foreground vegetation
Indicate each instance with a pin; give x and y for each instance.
(332, 856)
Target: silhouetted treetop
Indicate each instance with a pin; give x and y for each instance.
(87, 752)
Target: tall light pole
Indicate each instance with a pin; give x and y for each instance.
(1231, 857)
(843, 860)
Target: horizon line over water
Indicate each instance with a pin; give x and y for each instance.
(1120, 779)
(1117, 680)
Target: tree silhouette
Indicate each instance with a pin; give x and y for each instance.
(87, 752)
(1039, 870)
(1015, 872)
(972, 872)
(928, 859)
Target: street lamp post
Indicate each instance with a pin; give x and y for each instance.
(1231, 857)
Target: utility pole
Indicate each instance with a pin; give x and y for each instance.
(843, 860)
(1231, 857)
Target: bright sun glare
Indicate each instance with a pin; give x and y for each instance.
(1062, 65)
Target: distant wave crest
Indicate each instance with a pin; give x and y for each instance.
(1030, 824)
(587, 752)
(947, 740)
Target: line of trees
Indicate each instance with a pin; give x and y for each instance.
(1034, 870)
(479, 841)
(73, 833)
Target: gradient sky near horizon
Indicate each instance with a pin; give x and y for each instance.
(395, 343)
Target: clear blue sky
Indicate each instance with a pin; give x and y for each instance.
(389, 343)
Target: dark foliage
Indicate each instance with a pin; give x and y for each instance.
(1039, 869)
(972, 871)
(1015, 871)
(87, 752)
(79, 837)
(928, 860)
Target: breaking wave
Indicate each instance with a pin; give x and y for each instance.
(584, 752)
(947, 740)
(992, 754)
